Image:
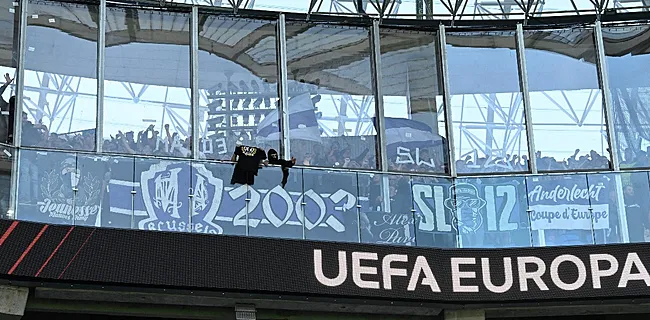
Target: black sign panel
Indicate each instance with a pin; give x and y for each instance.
(231, 263)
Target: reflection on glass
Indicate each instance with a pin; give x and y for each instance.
(162, 195)
(434, 220)
(412, 94)
(147, 95)
(90, 189)
(117, 194)
(206, 193)
(330, 205)
(387, 216)
(60, 96)
(487, 108)
(560, 210)
(47, 182)
(274, 211)
(8, 62)
(238, 81)
(565, 100)
(627, 63)
(490, 212)
(627, 213)
(331, 101)
(212, 190)
(7, 157)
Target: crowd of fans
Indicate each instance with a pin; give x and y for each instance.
(515, 163)
(150, 142)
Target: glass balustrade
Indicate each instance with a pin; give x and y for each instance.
(177, 195)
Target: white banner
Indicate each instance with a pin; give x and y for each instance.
(569, 217)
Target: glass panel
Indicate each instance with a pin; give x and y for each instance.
(331, 105)
(566, 100)
(330, 205)
(60, 95)
(91, 184)
(162, 197)
(412, 94)
(491, 212)
(8, 63)
(230, 200)
(206, 197)
(238, 77)
(624, 204)
(388, 218)
(119, 213)
(627, 62)
(147, 78)
(7, 157)
(46, 182)
(625, 6)
(434, 220)
(487, 109)
(272, 210)
(559, 210)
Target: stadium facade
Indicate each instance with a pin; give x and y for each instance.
(455, 159)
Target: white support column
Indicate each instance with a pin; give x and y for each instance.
(194, 82)
(444, 69)
(464, 314)
(603, 79)
(375, 44)
(20, 73)
(12, 302)
(101, 57)
(18, 110)
(523, 85)
(283, 106)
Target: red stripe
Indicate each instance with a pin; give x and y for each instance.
(8, 232)
(29, 248)
(75, 255)
(54, 252)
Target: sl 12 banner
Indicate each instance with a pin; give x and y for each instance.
(485, 212)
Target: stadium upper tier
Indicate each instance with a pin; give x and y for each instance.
(398, 115)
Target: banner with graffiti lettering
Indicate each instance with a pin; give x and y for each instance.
(61, 188)
(569, 202)
(477, 212)
(197, 197)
